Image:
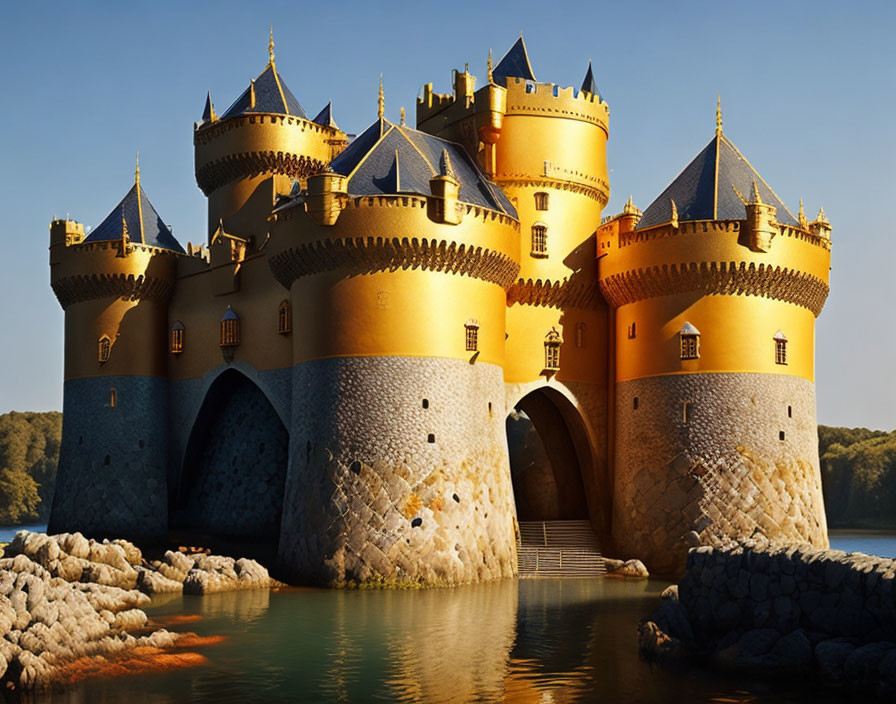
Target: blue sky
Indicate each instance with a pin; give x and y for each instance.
(807, 93)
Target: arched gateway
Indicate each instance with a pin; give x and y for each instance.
(232, 479)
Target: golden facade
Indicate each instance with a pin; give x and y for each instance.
(395, 296)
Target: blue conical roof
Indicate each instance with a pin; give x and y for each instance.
(271, 96)
(325, 116)
(705, 190)
(149, 230)
(515, 64)
(589, 85)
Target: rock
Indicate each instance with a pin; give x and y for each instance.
(652, 640)
(862, 665)
(632, 568)
(670, 592)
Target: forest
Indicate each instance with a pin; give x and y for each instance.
(858, 471)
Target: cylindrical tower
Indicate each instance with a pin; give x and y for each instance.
(397, 263)
(254, 151)
(716, 292)
(114, 287)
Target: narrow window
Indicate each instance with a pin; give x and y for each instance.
(284, 318)
(431, 438)
(489, 409)
(635, 403)
(685, 412)
(552, 342)
(472, 335)
(790, 411)
(105, 348)
(580, 334)
(541, 201)
(176, 343)
(539, 240)
(780, 348)
(690, 341)
(113, 397)
(426, 403)
(632, 332)
(230, 329)
(781, 435)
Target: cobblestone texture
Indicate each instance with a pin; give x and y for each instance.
(111, 480)
(724, 474)
(238, 488)
(370, 499)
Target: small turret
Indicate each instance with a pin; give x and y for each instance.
(820, 227)
(761, 226)
(443, 206)
(325, 197)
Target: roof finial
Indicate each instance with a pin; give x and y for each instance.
(803, 220)
(755, 196)
(381, 101)
(137, 170)
(252, 93)
(719, 116)
(445, 168)
(403, 123)
(271, 45)
(488, 66)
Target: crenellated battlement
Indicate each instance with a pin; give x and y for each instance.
(711, 227)
(527, 97)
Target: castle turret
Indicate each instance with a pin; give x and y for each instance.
(716, 290)
(397, 262)
(545, 147)
(114, 285)
(251, 153)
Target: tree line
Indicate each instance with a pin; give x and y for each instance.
(858, 471)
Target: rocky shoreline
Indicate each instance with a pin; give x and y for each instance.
(64, 598)
(776, 611)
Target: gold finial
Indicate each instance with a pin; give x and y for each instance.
(803, 220)
(719, 116)
(821, 217)
(673, 219)
(403, 123)
(271, 45)
(137, 170)
(381, 101)
(488, 66)
(252, 93)
(755, 197)
(466, 67)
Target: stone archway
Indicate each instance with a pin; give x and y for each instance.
(549, 449)
(232, 480)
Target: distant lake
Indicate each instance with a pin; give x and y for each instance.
(872, 542)
(7, 533)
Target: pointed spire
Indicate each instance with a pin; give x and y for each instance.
(137, 171)
(515, 64)
(397, 174)
(719, 116)
(821, 216)
(252, 94)
(271, 45)
(208, 115)
(403, 121)
(325, 116)
(381, 101)
(754, 193)
(445, 168)
(801, 217)
(630, 209)
(589, 85)
(488, 66)
(673, 219)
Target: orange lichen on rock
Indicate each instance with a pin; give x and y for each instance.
(140, 660)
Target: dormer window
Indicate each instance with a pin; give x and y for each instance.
(541, 201)
(780, 348)
(105, 349)
(690, 341)
(472, 335)
(284, 318)
(230, 329)
(552, 342)
(176, 343)
(539, 240)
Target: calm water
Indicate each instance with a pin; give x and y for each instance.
(538, 641)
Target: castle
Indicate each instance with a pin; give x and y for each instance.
(332, 372)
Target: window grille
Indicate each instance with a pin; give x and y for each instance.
(230, 329)
(105, 349)
(780, 348)
(472, 336)
(539, 240)
(690, 341)
(177, 338)
(541, 201)
(284, 318)
(552, 342)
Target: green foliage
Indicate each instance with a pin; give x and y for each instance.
(858, 472)
(29, 453)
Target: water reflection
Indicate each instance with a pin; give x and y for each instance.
(535, 641)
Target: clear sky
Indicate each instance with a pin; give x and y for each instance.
(807, 93)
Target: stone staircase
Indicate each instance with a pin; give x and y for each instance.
(559, 549)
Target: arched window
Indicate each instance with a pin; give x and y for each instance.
(632, 332)
(539, 240)
(541, 201)
(580, 334)
(230, 329)
(284, 318)
(552, 342)
(690, 341)
(105, 349)
(780, 348)
(472, 334)
(176, 343)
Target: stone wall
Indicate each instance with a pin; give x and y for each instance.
(784, 610)
(235, 484)
(744, 464)
(398, 473)
(112, 474)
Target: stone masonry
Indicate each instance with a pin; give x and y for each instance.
(395, 478)
(739, 461)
